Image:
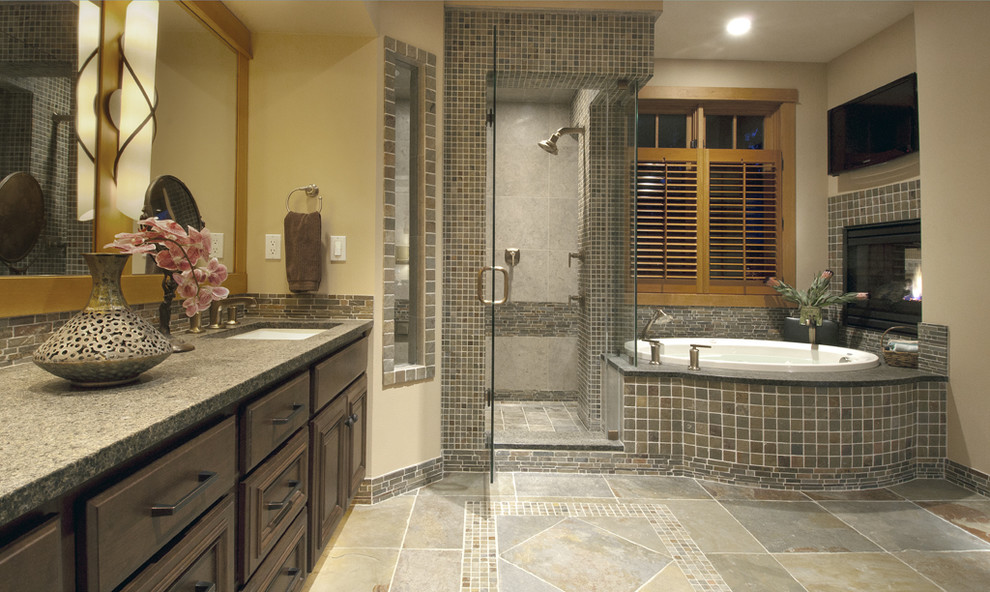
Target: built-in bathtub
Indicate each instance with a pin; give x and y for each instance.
(757, 355)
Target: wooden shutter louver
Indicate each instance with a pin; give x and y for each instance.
(667, 219)
(743, 218)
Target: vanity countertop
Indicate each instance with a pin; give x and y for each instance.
(55, 437)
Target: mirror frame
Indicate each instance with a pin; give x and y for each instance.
(29, 295)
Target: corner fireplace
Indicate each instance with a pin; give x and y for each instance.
(884, 260)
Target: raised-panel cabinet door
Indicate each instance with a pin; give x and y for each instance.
(328, 474)
(357, 418)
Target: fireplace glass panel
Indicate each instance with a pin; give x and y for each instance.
(884, 260)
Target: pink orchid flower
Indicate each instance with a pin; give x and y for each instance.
(186, 252)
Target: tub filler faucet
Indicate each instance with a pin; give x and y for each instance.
(659, 316)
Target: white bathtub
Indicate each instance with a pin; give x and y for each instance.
(753, 354)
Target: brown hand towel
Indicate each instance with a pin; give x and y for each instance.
(303, 251)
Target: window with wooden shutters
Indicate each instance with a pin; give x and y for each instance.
(711, 224)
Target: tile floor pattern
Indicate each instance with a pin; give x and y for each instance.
(539, 532)
(534, 416)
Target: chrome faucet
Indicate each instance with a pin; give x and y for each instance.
(659, 316)
(230, 305)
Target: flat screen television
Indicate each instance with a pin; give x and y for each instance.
(879, 126)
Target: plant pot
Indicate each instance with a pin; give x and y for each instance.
(106, 343)
(826, 334)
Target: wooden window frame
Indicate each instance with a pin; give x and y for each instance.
(779, 107)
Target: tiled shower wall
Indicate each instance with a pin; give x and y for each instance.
(37, 82)
(537, 213)
(575, 50)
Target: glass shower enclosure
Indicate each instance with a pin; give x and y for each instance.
(557, 285)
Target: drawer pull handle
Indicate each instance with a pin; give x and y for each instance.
(296, 408)
(206, 478)
(351, 420)
(205, 587)
(294, 573)
(285, 501)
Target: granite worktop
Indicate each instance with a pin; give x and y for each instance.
(878, 376)
(55, 437)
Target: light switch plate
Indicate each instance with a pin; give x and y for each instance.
(338, 248)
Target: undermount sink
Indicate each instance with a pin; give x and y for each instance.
(272, 333)
(276, 330)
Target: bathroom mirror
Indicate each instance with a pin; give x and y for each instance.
(408, 349)
(38, 130)
(209, 133)
(195, 141)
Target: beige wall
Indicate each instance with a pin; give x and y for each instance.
(883, 58)
(809, 80)
(313, 108)
(316, 105)
(196, 81)
(953, 57)
(406, 420)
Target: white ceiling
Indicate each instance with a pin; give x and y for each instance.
(783, 30)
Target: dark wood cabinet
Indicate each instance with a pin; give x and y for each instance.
(21, 560)
(201, 560)
(271, 497)
(328, 474)
(243, 499)
(130, 521)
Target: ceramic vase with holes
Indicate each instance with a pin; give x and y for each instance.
(107, 343)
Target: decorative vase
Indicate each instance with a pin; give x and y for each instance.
(106, 343)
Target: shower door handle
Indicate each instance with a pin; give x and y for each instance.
(480, 285)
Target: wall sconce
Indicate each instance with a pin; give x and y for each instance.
(87, 78)
(138, 101)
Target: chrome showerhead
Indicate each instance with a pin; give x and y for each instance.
(550, 144)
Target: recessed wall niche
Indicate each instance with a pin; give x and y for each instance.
(409, 237)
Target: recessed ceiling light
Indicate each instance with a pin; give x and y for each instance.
(739, 26)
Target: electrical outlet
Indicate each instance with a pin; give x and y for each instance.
(216, 245)
(273, 246)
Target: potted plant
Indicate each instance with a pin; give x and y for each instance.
(811, 301)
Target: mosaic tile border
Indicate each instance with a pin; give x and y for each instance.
(426, 63)
(479, 562)
(381, 488)
(969, 478)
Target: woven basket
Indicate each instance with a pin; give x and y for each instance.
(898, 359)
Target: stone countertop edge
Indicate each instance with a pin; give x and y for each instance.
(55, 437)
(881, 375)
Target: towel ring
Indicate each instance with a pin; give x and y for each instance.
(311, 191)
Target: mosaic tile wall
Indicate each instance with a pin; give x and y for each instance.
(818, 437)
(727, 322)
(536, 48)
(426, 63)
(38, 52)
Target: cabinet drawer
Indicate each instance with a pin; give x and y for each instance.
(339, 370)
(203, 559)
(129, 522)
(270, 498)
(270, 420)
(33, 562)
(285, 568)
